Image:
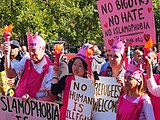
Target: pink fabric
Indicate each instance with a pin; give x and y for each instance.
(156, 100)
(127, 110)
(34, 41)
(66, 92)
(30, 82)
(134, 71)
(119, 45)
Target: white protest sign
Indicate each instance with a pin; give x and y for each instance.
(81, 99)
(107, 91)
(12, 108)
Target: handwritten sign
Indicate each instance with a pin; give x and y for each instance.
(132, 20)
(80, 99)
(107, 91)
(12, 108)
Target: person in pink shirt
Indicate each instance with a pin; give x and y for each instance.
(153, 84)
(79, 68)
(134, 104)
(35, 72)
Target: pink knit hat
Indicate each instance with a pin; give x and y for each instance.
(35, 41)
(134, 71)
(118, 45)
(82, 52)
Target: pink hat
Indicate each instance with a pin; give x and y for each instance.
(118, 45)
(159, 57)
(82, 52)
(35, 41)
(134, 71)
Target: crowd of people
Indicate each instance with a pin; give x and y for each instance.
(36, 76)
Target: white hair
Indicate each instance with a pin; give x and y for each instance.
(41, 40)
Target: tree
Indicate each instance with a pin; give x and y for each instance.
(75, 20)
(156, 4)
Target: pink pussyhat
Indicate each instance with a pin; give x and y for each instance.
(118, 45)
(82, 52)
(134, 71)
(35, 41)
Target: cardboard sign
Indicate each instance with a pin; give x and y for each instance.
(107, 91)
(12, 108)
(132, 20)
(80, 99)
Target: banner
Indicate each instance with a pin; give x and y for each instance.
(132, 20)
(12, 108)
(80, 99)
(107, 91)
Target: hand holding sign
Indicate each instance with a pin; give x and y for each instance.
(7, 32)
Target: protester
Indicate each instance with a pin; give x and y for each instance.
(153, 57)
(98, 61)
(35, 73)
(138, 104)
(116, 58)
(106, 64)
(15, 56)
(79, 68)
(137, 56)
(16, 53)
(25, 51)
(153, 84)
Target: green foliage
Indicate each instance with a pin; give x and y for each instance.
(156, 4)
(75, 20)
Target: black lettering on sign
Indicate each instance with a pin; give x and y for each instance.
(21, 118)
(105, 105)
(32, 108)
(20, 104)
(108, 32)
(113, 20)
(76, 116)
(102, 89)
(125, 4)
(81, 106)
(56, 113)
(5, 105)
(107, 8)
(77, 86)
(48, 108)
(27, 105)
(75, 104)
